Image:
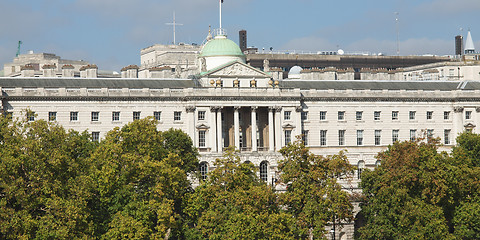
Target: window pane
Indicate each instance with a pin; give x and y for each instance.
(395, 135)
(341, 116)
(203, 171)
(359, 137)
(376, 115)
(136, 115)
(201, 138)
(177, 116)
(446, 115)
(394, 115)
(411, 115)
(323, 116)
(264, 171)
(201, 115)
(378, 134)
(288, 136)
(115, 116)
(286, 115)
(157, 115)
(323, 137)
(413, 134)
(73, 116)
(95, 116)
(446, 136)
(52, 116)
(95, 136)
(359, 115)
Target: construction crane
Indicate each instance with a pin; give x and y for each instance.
(18, 49)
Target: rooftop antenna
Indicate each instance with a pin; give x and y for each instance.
(396, 25)
(174, 23)
(18, 49)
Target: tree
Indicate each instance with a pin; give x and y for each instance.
(313, 196)
(233, 203)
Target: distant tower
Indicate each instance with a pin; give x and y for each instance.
(459, 45)
(242, 34)
(469, 47)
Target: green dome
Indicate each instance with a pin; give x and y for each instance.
(221, 46)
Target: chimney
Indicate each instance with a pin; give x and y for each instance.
(89, 71)
(68, 71)
(27, 71)
(130, 71)
(49, 70)
(161, 72)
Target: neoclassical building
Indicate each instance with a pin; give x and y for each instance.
(226, 102)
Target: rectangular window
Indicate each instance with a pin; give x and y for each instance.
(31, 116)
(52, 116)
(359, 137)
(341, 115)
(201, 115)
(395, 135)
(286, 115)
(376, 115)
(413, 134)
(429, 115)
(201, 138)
(378, 137)
(359, 115)
(136, 116)
(157, 115)
(394, 115)
(95, 116)
(305, 137)
(468, 115)
(323, 116)
(95, 136)
(446, 115)
(429, 133)
(411, 115)
(177, 116)
(304, 116)
(446, 136)
(115, 116)
(323, 137)
(288, 136)
(341, 137)
(73, 116)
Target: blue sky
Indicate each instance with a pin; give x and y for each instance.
(111, 33)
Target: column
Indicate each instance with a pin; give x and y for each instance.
(213, 129)
(254, 128)
(191, 124)
(271, 128)
(298, 123)
(236, 127)
(219, 130)
(278, 129)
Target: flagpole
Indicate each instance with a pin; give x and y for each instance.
(220, 2)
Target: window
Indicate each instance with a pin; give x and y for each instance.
(73, 116)
(157, 115)
(468, 115)
(360, 166)
(378, 163)
(359, 137)
(446, 115)
(376, 115)
(323, 137)
(429, 133)
(341, 137)
(446, 136)
(323, 116)
(395, 135)
(341, 115)
(115, 116)
(264, 171)
(201, 138)
(95, 136)
(203, 167)
(95, 116)
(177, 116)
(305, 137)
(429, 115)
(359, 116)
(31, 116)
(378, 136)
(413, 134)
(52, 116)
(304, 116)
(136, 116)
(201, 115)
(286, 115)
(411, 115)
(394, 115)
(288, 136)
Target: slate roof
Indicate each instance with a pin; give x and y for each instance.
(96, 83)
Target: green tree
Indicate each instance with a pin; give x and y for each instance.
(313, 196)
(44, 190)
(233, 203)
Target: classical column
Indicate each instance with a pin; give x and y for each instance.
(219, 130)
(271, 128)
(278, 129)
(298, 123)
(236, 128)
(213, 129)
(254, 128)
(191, 124)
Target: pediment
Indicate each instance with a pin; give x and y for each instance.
(237, 69)
(288, 126)
(202, 126)
(469, 126)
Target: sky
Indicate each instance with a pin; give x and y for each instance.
(111, 33)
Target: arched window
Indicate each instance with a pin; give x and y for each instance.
(264, 171)
(203, 171)
(360, 166)
(378, 163)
